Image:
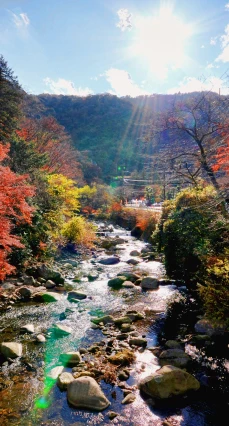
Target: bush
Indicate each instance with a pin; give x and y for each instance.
(78, 231)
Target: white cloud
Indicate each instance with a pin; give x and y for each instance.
(21, 20)
(227, 7)
(125, 18)
(122, 83)
(192, 84)
(202, 47)
(224, 56)
(213, 41)
(65, 87)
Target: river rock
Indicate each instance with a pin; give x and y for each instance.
(122, 320)
(138, 341)
(112, 415)
(109, 261)
(167, 382)
(64, 379)
(130, 276)
(128, 284)
(133, 262)
(134, 315)
(27, 328)
(106, 319)
(149, 283)
(40, 338)
(47, 273)
(76, 295)
(116, 282)
(93, 276)
(135, 253)
(55, 372)
(205, 326)
(173, 344)
(85, 392)
(8, 286)
(70, 358)
(28, 280)
(62, 330)
(49, 284)
(176, 357)
(129, 398)
(51, 297)
(11, 349)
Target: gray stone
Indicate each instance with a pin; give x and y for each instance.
(106, 319)
(133, 262)
(49, 284)
(109, 261)
(8, 286)
(11, 349)
(85, 392)
(28, 280)
(47, 273)
(130, 276)
(135, 253)
(173, 344)
(76, 295)
(149, 283)
(122, 320)
(128, 284)
(167, 382)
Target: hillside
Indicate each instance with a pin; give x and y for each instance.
(110, 132)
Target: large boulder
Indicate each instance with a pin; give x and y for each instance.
(27, 328)
(150, 283)
(64, 379)
(135, 253)
(205, 326)
(11, 349)
(47, 273)
(109, 260)
(167, 382)
(85, 392)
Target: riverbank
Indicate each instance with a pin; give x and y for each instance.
(76, 323)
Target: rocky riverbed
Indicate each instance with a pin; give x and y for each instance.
(79, 344)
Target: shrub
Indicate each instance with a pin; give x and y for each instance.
(78, 231)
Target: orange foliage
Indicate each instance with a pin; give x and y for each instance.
(13, 209)
(50, 138)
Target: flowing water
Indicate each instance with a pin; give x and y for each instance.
(25, 402)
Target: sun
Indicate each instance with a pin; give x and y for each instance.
(160, 41)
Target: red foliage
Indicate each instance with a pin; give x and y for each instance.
(13, 210)
(50, 137)
(221, 158)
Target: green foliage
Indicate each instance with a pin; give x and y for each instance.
(186, 233)
(10, 98)
(215, 291)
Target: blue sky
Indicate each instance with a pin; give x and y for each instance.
(124, 47)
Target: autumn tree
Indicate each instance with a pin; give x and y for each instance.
(10, 98)
(191, 131)
(50, 139)
(14, 209)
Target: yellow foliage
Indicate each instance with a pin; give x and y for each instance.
(77, 230)
(66, 193)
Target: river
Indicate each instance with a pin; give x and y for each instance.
(24, 401)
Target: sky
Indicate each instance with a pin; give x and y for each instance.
(122, 47)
